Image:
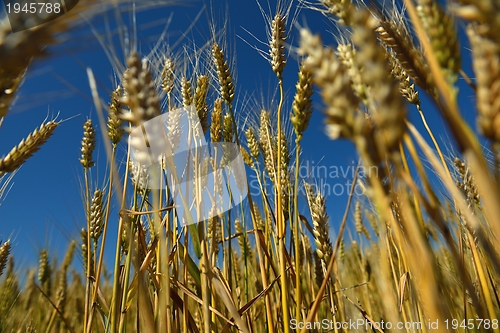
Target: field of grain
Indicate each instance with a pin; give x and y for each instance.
(417, 251)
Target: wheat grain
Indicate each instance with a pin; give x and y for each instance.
(358, 218)
(168, 76)
(186, 92)
(406, 88)
(200, 100)
(228, 128)
(86, 252)
(246, 157)
(4, 255)
(302, 102)
(115, 129)
(140, 94)
(440, 29)
(340, 8)
(214, 234)
(267, 144)
(277, 45)
(317, 205)
(388, 110)
(216, 126)
(44, 272)
(223, 73)
(486, 66)
(331, 76)
(96, 215)
(394, 34)
(252, 143)
(88, 144)
(245, 248)
(27, 147)
(466, 182)
(348, 54)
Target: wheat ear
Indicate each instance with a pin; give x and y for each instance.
(4, 255)
(88, 144)
(27, 147)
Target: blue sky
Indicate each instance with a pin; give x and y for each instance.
(44, 207)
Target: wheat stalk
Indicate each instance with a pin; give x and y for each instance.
(444, 40)
(140, 93)
(4, 255)
(115, 129)
(27, 147)
(200, 100)
(88, 144)
(223, 73)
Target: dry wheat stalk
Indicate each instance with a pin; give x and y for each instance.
(216, 126)
(387, 107)
(394, 34)
(347, 54)
(27, 147)
(4, 255)
(174, 130)
(29, 288)
(115, 129)
(139, 175)
(466, 182)
(487, 15)
(96, 215)
(186, 92)
(443, 36)
(358, 219)
(214, 234)
(88, 144)
(85, 252)
(44, 271)
(252, 143)
(406, 88)
(317, 205)
(319, 276)
(168, 76)
(487, 69)
(200, 100)
(243, 242)
(302, 102)
(62, 288)
(284, 173)
(373, 221)
(228, 128)
(331, 76)
(342, 250)
(140, 94)
(17, 51)
(339, 8)
(277, 44)
(246, 157)
(267, 144)
(223, 73)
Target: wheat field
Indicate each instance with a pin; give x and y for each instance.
(417, 249)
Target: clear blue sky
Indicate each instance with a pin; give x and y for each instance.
(44, 208)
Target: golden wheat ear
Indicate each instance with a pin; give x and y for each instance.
(4, 255)
(27, 147)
